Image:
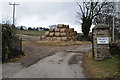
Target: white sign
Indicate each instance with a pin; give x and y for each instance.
(103, 40)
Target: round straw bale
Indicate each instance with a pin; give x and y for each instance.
(54, 38)
(75, 32)
(57, 30)
(72, 34)
(47, 33)
(64, 26)
(63, 30)
(59, 38)
(67, 26)
(64, 38)
(47, 38)
(57, 34)
(60, 25)
(63, 34)
(71, 30)
(43, 37)
(74, 38)
(51, 29)
(51, 34)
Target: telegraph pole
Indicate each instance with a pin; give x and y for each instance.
(113, 27)
(14, 4)
(113, 24)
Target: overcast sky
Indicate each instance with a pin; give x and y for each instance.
(42, 14)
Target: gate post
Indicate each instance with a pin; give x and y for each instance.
(101, 41)
(20, 44)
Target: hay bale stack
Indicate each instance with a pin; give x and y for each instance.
(61, 33)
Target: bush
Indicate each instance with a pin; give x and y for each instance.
(115, 48)
(8, 36)
(84, 38)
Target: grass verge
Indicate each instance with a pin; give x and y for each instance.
(62, 43)
(19, 58)
(31, 32)
(108, 68)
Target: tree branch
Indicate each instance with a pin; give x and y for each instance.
(80, 8)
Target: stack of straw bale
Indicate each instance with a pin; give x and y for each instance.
(61, 33)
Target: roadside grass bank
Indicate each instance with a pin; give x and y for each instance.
(16, 59)
(108, 68)
(31, 32)
(62, 43)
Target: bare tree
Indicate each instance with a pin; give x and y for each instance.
(88, 11)
(6, 20)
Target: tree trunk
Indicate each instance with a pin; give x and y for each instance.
(86, 25)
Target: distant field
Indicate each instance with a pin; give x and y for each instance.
(35, 33)
(31, 32)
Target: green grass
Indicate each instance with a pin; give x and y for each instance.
(107, 68)
(31, 32)
(62, 43)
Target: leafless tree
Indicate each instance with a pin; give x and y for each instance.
(88, 11)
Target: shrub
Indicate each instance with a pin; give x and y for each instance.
(84, 38)
(115, 48)
(8, 36)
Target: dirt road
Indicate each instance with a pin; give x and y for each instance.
(48, 62)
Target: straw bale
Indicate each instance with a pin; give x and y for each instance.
(54, 38)
(59, 38)
(47, 38)
(64, 38)
(63, 34)
(67, 26)
(60, 25)
(51, 29)
(47, 33)
(43, 37)
(71, 30)
(63, 30)
(51, 34)
(57, 34)
(57, 30)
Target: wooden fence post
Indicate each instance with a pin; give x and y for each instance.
(20, 44)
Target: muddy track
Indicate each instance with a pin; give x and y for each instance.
(36, 52)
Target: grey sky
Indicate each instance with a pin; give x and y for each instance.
(42, 14)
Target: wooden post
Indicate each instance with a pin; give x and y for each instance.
(20, 44)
